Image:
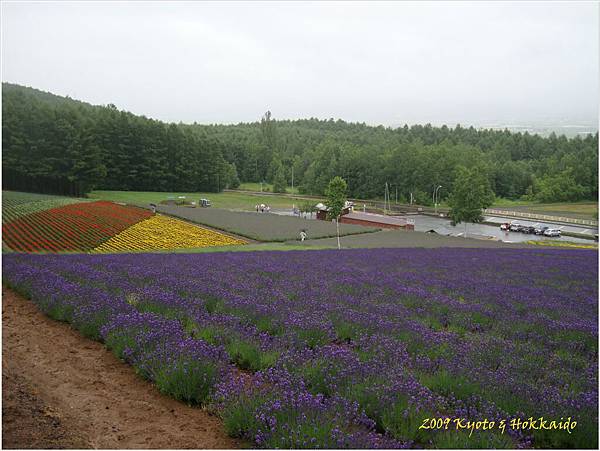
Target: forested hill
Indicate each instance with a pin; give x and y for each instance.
(51, 136)
(414, 159)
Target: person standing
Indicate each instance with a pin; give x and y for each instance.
(303, 235)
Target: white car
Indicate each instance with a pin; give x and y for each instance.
(552, 232)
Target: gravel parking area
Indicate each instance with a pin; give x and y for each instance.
(261, 226)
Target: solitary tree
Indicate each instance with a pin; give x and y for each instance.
(470, 195)
(336, 200)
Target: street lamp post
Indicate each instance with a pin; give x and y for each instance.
(435, 200)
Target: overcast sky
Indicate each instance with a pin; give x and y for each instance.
(388, 63)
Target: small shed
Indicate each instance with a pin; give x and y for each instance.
(322, 210)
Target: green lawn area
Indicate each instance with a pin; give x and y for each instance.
(252, 186)
(251, 247)
(230, 200)
(580, 210)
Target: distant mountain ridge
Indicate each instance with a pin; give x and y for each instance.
(543, 129)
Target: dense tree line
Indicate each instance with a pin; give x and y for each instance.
(46, 137)
(101, 147)
(410, 159)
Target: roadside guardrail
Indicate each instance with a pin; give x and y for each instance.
(537, 216)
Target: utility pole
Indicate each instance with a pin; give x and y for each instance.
(348, 180)
(292, 178)
(386, 198)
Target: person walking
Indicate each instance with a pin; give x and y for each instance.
(303, 235)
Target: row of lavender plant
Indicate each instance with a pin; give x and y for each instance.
(154, 331)
(351, 348)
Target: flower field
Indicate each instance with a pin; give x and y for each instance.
(16, 204)
(261, 226)
(72, 227)
(163, 232)
(347, 349)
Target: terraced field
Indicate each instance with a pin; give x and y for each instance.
(37, 223)
(16, 204)
(164, 233)
(73, 227)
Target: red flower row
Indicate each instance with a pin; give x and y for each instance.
(75, 227)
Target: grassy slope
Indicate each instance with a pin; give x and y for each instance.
(251, 248)
(19, 197)
(581, 210)
(231, 200)
(246, 201)
(252, 186)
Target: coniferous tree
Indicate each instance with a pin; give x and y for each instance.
(62, 142)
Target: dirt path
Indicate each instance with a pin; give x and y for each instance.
(27, 422)
(61, 390)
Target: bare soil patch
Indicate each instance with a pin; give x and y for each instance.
(27, 422)
(61, 390)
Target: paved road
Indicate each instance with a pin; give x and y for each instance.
(576, 228)
(424, 223)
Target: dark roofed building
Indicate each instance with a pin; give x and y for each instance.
(375, 220)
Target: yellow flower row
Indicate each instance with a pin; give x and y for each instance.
(563, 244)
(164, 232)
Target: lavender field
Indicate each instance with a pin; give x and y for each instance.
(351, 348)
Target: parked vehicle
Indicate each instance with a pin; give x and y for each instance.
(505, 226)
(528, 229)
(515, 227)
(552, 232)
(539, 230)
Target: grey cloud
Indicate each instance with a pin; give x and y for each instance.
(386, 63)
